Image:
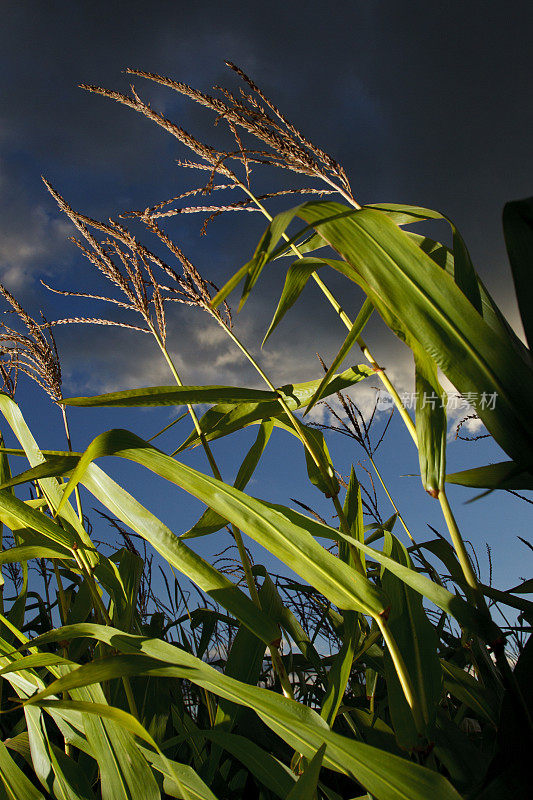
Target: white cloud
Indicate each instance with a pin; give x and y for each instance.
(30, 236)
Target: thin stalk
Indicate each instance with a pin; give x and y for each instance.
(277, 663)
(459, 545)
(205, 444)
(329, 475)
(345, 318)
(69, 443)
(63, 616)
(61, 596)
(393, 504)
(326, 470)
(401, 671)
(431, 570)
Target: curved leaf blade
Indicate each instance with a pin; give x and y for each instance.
(293, 545)
(384, 775)
(173, 396)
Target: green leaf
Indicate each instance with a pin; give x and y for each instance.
(307, 245)
(174, 396)
(54, 466)
(26, 553)
(297, 276)
(15, 784)
(263, 766)
(175, 552)
(490, 312)
(503, 475)
(224, 419)
(353, 510)
(353, 334)
(264, 252)
(384, 775)
(463, 270)
(124, 771)
(244, 663)
(445, 552)
(465, 761)
(266, 526)
(210, 522)
(130, 571)
(327, 485)
(428, 308)
(190, 785)
(46, 765)
(508, 599)
(341, 667)
(417, 640)
(471, 692)
(518, 233)
(305, 787)
(49, 486)
(452, 604)
(430, 423)
(34, 660)
(17, 514)
(340, 671)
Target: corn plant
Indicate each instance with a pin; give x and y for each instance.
(377, 673)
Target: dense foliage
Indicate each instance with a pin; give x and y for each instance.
(384, 670)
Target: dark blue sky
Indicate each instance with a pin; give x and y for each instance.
(422, 103)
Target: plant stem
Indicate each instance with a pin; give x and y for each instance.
(277, 663)
(430, 569)
(61, 596)
(345, 318)
(401, 671)
(326, 470)
(458, 543)
(69, 443)
(393, 504)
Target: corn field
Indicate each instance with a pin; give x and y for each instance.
(387, 669)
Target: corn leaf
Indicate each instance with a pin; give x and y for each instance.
(503, 475)
(417, 640)
(264, 767)
(353, 334)
(175, 552)
(518, 233)
(428, 308)
(430, 423)
(288, 542)
(306, 784)
(384, 775)
(173, 396)
(13, 781)
(210, 522)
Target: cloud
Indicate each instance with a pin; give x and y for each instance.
(401, 117)
(31, 237)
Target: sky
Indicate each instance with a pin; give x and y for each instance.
(427, 104)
